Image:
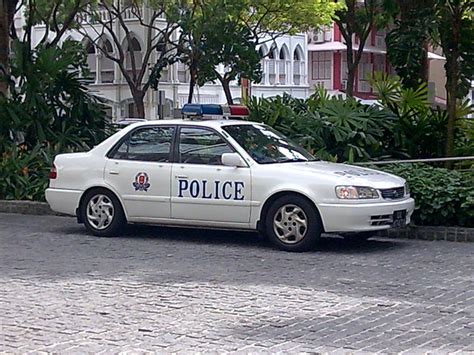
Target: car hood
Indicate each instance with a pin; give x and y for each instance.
(345, 174)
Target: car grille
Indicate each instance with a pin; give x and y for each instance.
(393, 194)
(382, 220)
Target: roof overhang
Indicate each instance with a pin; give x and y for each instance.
(339, 46)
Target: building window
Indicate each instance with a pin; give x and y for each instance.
(183, 73)
(365, 73)
(298, 66)
(380, 39)
(321, 65)
(91, 60)
(272, 67)
(282, 64)
(106, 64)
(379, 63)
(134, 53)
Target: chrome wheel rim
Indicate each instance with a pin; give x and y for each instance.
(100, 212)
(290, 224)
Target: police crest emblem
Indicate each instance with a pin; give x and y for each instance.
(141, 182)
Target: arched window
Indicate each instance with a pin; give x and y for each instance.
(134, 53)
(283, 65)
(298, 65)
(91, 59)
(262, 52)
(272, 55)
(106, 64)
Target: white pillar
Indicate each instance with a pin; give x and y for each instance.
(98, 76)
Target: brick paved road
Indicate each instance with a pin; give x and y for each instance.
(172, 289)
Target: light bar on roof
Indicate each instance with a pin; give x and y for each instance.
(214, 111)
(239, 110)
(201, 110)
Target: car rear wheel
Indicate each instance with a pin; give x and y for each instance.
(293, 224)
(102, 213)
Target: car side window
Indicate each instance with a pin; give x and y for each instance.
(147, 144)
(201, 146)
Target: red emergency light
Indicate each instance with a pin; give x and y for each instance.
(238, 111)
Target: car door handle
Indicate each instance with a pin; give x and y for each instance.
(113, 172)
(181, 177)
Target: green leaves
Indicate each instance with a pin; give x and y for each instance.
(330, 127)
(443, 197)
(50, 112)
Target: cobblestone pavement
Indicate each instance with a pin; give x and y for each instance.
(169, 290)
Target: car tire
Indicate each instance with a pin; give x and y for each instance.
(360, 237)
(293, 224)
(102, 213)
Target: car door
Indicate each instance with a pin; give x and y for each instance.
(139, 168)
(203, 189)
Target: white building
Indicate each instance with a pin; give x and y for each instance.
(284, 69)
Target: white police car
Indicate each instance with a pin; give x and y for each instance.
(222, 173)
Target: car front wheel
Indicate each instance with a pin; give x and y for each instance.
(102, 213)
(293, 224)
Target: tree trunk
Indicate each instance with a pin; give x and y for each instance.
(452, 71)
(451, 49)
(351, 71)
(138, 97)
(7, 11)
(192, 84)
(425, 66)
(227, 92)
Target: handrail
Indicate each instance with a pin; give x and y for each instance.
(415, 160)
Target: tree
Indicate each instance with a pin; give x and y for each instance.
(456, 38)
(357, 19)
(7, 11)
(57, 15)
(228, 43)
(407, 42)
(233, 46)
(132, 59)
(228, 32)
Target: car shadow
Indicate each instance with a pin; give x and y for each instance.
(328, 243)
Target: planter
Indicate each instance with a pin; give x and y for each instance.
(26, 207)
(452, 234)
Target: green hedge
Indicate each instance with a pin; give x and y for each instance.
(443, 197)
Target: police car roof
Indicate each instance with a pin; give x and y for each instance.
(197, 122)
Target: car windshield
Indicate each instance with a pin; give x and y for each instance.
(267, 146)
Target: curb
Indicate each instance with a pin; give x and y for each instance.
(451, 234)
(432, 233)
(27, 207)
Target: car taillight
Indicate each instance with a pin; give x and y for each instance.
(53, 173)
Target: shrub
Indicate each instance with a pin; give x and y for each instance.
(49, 112)
(50, 105)
(420, 128)
(24, 173)
(443, 197)
(332, 128)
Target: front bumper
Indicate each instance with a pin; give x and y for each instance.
(63, 201)
(363, 217)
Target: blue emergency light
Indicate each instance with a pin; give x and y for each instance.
(202, 110)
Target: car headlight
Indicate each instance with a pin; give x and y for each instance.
(356, 192)
(407, 189)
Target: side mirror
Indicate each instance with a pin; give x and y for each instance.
(232, 159)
